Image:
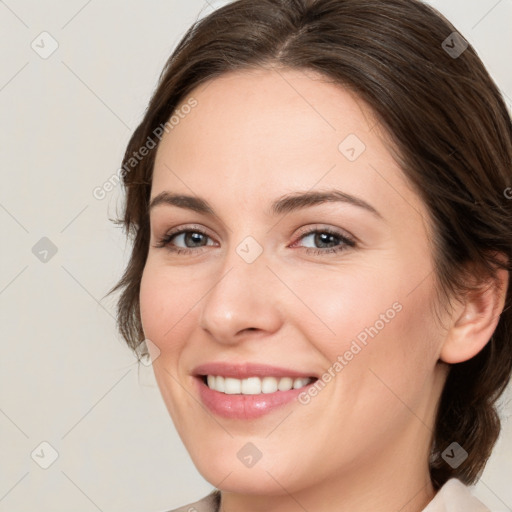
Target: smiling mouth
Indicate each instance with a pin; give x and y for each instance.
(254, 385)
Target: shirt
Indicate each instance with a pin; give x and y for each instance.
(453, 496)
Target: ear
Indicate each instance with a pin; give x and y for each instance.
(475, 319)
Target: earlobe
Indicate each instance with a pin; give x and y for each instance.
(474, 323)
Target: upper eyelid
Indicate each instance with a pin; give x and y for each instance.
(187, 228)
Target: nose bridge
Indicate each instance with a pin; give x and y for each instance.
(243, 294)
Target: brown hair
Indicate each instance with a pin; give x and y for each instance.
(453, 138)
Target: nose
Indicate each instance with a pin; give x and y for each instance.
(244, 297)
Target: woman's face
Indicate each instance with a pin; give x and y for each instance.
(273, 287)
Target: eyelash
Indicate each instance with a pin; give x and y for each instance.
(345, 241)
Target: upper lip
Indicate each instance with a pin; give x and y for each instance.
(245, 370)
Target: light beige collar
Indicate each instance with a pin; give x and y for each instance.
(454, 496)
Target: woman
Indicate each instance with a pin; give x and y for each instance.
(321, 255)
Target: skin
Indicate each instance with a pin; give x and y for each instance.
(363, 442)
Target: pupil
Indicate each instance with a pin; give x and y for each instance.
(324, 238)
(193, 237)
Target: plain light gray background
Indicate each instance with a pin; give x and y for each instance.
(66, 377)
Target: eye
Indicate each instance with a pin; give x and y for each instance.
(326, 240)
(192, 239)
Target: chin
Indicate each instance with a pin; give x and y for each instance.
(224, 468)
(254, 480)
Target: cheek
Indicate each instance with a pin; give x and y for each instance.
(167, 314)
(165, 308)
(343, 304)
(152, 311)
(373, 322)
(380, 365)
(393, 373)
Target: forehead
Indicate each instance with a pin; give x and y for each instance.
(268, 131)
(275, 115)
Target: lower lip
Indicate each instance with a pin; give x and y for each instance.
(245, 407)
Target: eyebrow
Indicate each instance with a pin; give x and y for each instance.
(282, 205)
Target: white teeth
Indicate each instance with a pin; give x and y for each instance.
(251, 386)
(254, 385)
(232, 386)
(219, 384)
(300, 383)
(285, 384)
(269, 385)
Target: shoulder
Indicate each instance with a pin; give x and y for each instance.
(209, 503)
(454, 496)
